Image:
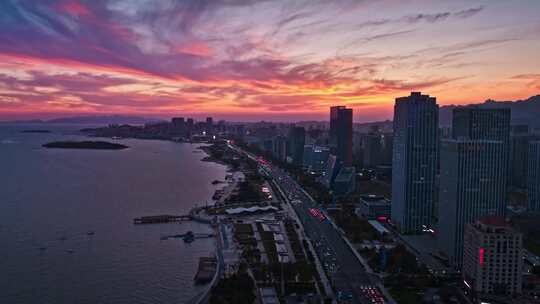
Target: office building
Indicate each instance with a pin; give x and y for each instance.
(533, 178)
(519, 151)
(492, 258)
(477, 123)
(279, 148)
(178, 126)
(332, 140)
(472, 185)
(371, 150)
(345, 181)
(209, 126)
(297, 137)
(414, 163)
(341, 133)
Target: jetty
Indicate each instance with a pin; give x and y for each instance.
(189, 234)
(160, 219)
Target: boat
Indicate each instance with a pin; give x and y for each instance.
(90, 233)
(189, 237)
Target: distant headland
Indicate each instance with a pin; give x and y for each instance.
(36, 131)
(92, 145)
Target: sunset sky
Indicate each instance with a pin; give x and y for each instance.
(255, 59)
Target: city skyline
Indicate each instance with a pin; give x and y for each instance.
(254, 60)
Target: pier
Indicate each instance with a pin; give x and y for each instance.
(161, 219)
(184, 235)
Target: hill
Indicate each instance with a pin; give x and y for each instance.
(523, 111)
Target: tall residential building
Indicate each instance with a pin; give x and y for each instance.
(209, 126)
(279, 147)
(492, 257)
(472, 185)
(297, 139)
(414, 163)
(341, 133)
(533, 177)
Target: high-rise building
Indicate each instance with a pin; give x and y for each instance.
(414, 163)
(209, 126)
(189, 126)
(178, 125)
(297, 138)
(520, 138)
(477, 123)
(332, 142)
(492, 258)
(341, 133)
(279, 149)
(474, 167)
(533, 177)
(372, 150)
(472, 185)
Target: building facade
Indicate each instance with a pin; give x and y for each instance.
(297, 137)
(533, 178)
(414, 162)
(374, 207)
(472, 185)
(492, 257)
(341, 134)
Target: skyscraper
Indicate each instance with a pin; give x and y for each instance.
(533, 177)
(477, 123)
(209, 126)
(297, 139)
(178, 125)
(414, 163)
(474, 168)
(334, 126)
(472, 185)
(341, 125)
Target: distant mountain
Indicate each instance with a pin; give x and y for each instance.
(97, 120)
(523, 111)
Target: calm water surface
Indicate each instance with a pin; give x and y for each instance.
(52, 198)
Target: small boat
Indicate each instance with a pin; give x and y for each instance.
(90, 233)
(189, 237)
(42, 248)
(62, 238)
(70, 251)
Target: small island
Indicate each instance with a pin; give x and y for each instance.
(93, 145)
(36, 131)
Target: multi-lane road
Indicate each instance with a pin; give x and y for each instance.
(350, 279)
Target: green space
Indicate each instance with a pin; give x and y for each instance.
(236, 289)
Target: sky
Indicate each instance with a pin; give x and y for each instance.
(261, 59)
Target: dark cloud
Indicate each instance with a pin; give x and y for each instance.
(423, 17)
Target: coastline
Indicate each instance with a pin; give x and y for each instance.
(77, 241)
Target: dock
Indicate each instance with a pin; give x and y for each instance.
(207, 269)
(160, 219)
(183, 235)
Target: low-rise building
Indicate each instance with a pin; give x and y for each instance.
(373, 207)
(492, 257)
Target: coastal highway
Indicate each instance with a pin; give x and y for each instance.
(350, 279)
